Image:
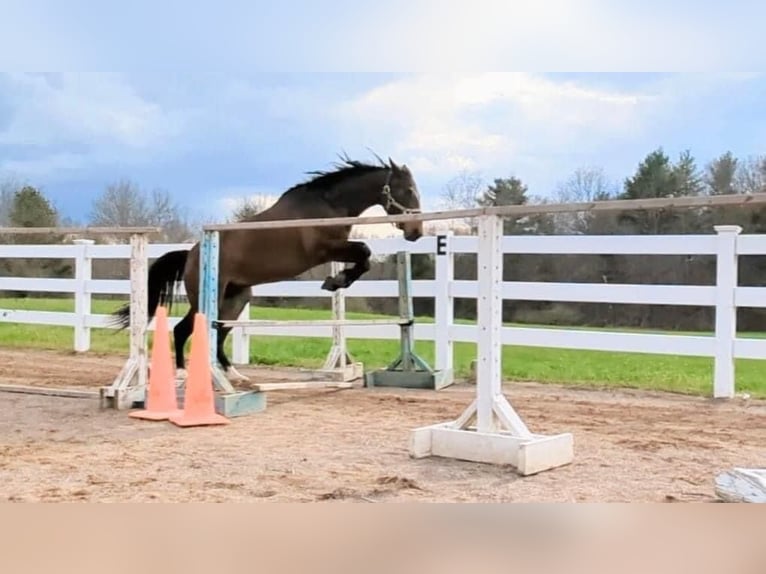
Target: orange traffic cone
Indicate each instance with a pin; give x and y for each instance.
(161, 400)
(199, 403)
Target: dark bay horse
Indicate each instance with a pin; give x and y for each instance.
(258, 256)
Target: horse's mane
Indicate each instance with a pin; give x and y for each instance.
(344, 169)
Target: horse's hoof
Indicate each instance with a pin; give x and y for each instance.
(330, 284)
(235, 376)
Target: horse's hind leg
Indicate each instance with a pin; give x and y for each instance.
(234, 301)
(181, 333)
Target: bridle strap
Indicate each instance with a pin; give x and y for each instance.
(391, 202)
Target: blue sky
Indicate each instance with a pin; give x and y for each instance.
(212, 137)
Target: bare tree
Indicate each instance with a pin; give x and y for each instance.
(251, 206)
(463, 191)
(124, 204)
(586, 184)
(751, 175)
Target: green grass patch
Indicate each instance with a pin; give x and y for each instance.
(692, 375)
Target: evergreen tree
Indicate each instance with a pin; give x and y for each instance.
(30, 208)
(687, 178)
(655, 177)
(720, 175)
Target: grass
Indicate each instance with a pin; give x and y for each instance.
(691, 375)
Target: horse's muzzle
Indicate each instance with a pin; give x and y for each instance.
(413, 234)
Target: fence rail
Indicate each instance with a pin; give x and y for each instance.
(725, 296)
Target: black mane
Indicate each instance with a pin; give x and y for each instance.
(344, 169)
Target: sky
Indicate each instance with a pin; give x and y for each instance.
(230, 98)
(213, 138)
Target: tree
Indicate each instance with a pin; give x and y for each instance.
(686, 176)
(586, 184)
(249, 207)
(463, 191)
(655, 177)
(720, 174)
(508, 191)
(504, 191)
(8, 188)
(30, 208)
(751, 175)
(124, 204)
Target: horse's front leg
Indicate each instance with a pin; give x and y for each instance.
(354, 252)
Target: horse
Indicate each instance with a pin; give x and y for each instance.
(249, 257)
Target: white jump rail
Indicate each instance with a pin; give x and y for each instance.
(133, 376)
(489, 430)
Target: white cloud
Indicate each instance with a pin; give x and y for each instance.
(94, 108)
(443, 124)
(73, 122)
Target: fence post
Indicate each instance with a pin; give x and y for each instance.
(727, 279)
(338, 331)
(83, 272)
(240, 340)
(444, 306)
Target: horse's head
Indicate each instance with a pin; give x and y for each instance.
(401, 196)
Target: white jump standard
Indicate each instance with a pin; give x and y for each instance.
(490, 430)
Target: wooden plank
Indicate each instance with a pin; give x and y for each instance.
(49, 391)
(301, 385)
(525, 456)
(78, 230)
(429, 380)
(509, 210)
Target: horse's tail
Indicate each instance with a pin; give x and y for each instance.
(164, 273)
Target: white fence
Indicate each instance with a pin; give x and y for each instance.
(725, 296)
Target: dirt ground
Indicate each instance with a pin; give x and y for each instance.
(351, 445)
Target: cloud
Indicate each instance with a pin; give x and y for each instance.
(67, 121)
(443, 124)
(93, 108)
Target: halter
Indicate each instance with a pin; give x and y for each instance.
(391, 202)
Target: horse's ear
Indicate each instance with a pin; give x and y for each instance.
(393, 164)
